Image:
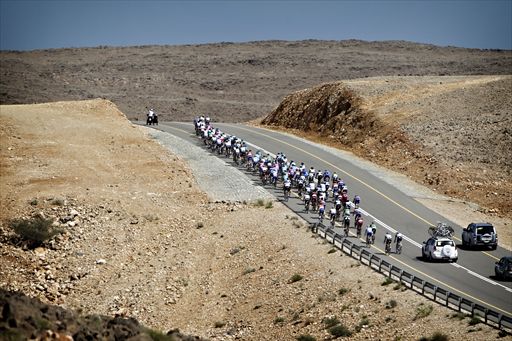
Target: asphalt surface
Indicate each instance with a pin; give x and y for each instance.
(471, 277)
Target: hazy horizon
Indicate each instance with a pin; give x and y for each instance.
(51, 24)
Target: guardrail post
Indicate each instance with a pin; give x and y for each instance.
(486, 311)
(351, 248)
(460, 304)
(448, 294)
(423, 287)
(472, 308)
(500, 317)
(435, 292)
(401, 274)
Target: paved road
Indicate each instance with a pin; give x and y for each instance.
(470, 277)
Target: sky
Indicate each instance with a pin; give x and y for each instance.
(42, 24)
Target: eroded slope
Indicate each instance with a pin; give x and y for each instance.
(450, 133)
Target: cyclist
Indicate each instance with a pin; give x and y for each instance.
(369, 235)
(398, 241)
(344, 199)
(314, 201)
(338, 206)
(374, 230)
(359, 225)
(286, 188)
(300, 184)
(306, 202)
(302, 167)
(333, 215)
(357, 201)
(321, 212)
(335, 190)
(334, 178)
(274, 171)
(319, 177)
(387, 241)
(327, 176)
(346, 212)
(346, 221)
(357, 214)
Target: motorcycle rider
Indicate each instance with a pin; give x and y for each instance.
(150, 116)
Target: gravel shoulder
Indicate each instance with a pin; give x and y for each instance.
(215, 177)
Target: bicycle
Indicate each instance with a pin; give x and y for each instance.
(388, 248)
(286, 193)
(369, 239)
(398, 247)
(321, 216)
(346, 225)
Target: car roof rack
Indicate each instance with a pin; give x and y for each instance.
(441, 230)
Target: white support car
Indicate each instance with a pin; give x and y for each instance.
(439, 248)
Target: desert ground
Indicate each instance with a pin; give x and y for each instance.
(138, 238)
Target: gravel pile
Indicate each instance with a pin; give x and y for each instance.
(214, 176)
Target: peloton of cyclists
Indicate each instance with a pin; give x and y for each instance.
(314, 187)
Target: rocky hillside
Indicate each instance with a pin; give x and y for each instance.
(451, 133)
(231, 82)
(26, 318)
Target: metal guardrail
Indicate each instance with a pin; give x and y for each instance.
(419, 285)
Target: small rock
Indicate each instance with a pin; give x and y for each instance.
(39, 251)
(101, 261)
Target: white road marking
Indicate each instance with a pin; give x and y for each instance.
(392, 230)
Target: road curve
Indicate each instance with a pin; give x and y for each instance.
(470, 277)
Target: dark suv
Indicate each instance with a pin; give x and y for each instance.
(480, 234)
(503, 268)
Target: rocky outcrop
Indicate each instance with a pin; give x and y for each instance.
(330, 109)
(23, 317)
